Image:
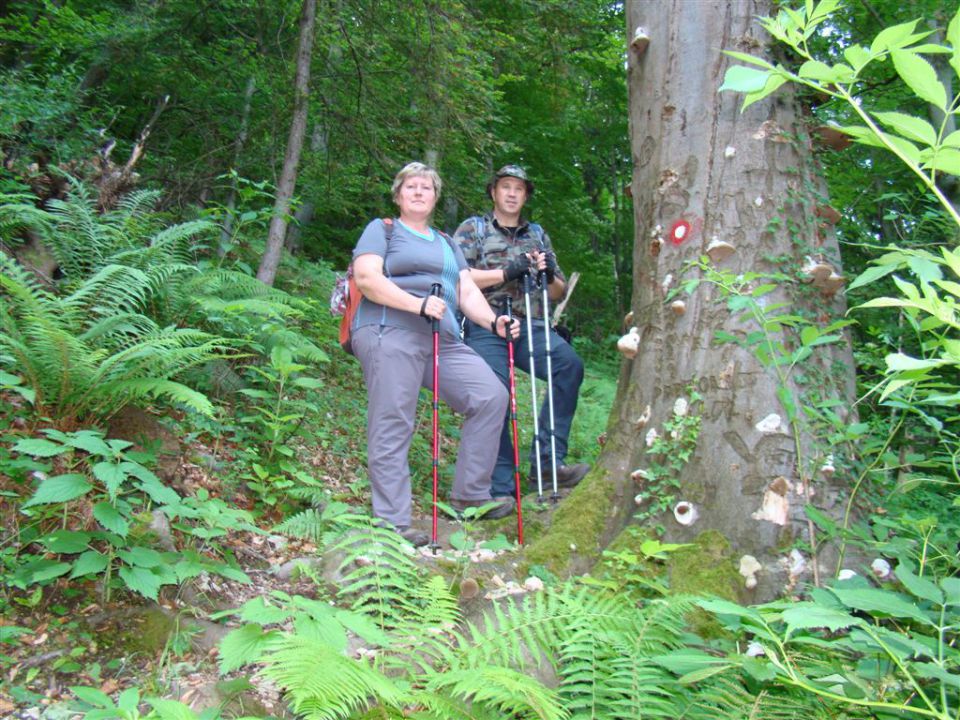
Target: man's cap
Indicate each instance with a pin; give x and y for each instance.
(511, 171)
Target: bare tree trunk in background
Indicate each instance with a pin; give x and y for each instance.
(226, 232)
(746, 180)
(267, 272)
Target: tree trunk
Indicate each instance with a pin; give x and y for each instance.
(745, 179)
(267, 271)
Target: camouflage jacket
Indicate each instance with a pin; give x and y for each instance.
(487, 246)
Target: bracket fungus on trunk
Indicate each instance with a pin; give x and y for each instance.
(629, 344)
(641, 39)
(718, 250)
(685, 513)
(749, 567)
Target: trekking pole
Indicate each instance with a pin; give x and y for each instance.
(542, 277)
(435, 290)
(527, 280)
(508, 308)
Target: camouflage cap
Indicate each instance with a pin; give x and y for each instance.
(510, 171)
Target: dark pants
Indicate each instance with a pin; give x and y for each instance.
(567, 377)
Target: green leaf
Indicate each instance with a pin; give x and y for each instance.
(744, 57)
(771, 86)
(880, 602)
(171, 709)
(725, 607)
(932, 671)
(946, 160)
(48, 570)
(111, 519)
(140, 580)
(111, 475)
(92, 696)
(90, 442)
(89, 563)
(59, 489)
(129, 700)
(892, 37)
(806, 615)
(910, 127)
(872, 274)
(919, 586)
(66, 541)
(363, 626)
(258, 611)
(816, 70)
(857, 56)
(687, 660)
(920, 77)
(744, 80)
(141, 557)
(38, 447)
(244, 645)
(953, 37)
(951, 589)
(898, 362)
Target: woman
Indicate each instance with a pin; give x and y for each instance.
(392, 337)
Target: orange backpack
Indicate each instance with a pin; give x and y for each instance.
(346, 296)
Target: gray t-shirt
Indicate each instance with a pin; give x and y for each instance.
(414, 263)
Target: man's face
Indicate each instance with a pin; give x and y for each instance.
(509, 195)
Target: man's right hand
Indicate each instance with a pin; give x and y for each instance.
(516, 268)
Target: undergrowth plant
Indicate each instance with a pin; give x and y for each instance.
(103, 487)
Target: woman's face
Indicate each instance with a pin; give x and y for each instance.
(416, 197)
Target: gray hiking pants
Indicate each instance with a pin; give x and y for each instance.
(396, 364)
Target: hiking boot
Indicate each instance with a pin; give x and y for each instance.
(568, 476)
(414, 536)
(506, 505)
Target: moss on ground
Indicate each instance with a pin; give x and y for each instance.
(578, 525)
(707, 568)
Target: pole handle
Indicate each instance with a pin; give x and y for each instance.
(436, 290)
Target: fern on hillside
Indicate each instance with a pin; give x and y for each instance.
(93, 350)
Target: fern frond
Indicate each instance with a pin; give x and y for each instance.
(440, 706)
(138, 389)
(725, 697)
(322, 683)
(307, 524)
(511, 692)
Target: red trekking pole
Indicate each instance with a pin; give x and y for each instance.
(508, 307)
(435, 290)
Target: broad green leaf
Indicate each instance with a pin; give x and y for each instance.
(66, 541)
(308, 382)
(857, 56)
(809, 334)
(920, 77)
(111, 519)
(906, 148)
(58, 489)
(129, 700)
(744, 57)
(910, 127)
(953, 37)
(769, 88)
(880, 602)
(952, 140)
(111, 475)
(363, 626)
(919, 586)
(257, 611)
(947, 160)
(89, 563)
(171, 709)
(743, 79)
(725, 607)
(932, 671)
(951, 589)
(872, 274)
(892, 37)
(140, 580)
(816, 70)
(243, 645)
(898, 362)
(92, 696)
(925, 270)
(48, 570)
(688, 660)
(38, 447)
(806, 615)
(90, 442)
(141, 557)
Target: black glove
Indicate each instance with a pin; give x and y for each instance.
(516, 268)
(551, 268)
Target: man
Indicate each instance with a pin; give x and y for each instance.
(501, 248)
